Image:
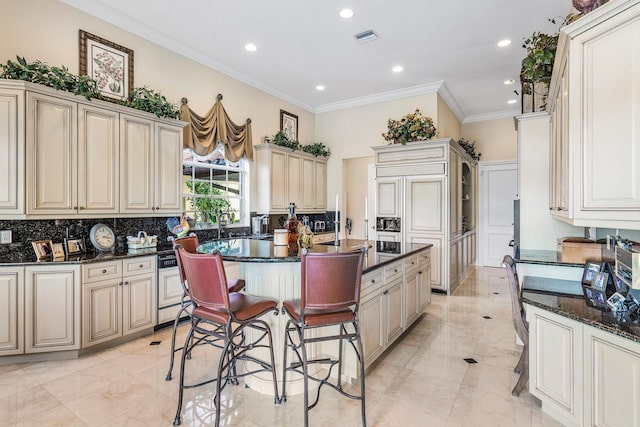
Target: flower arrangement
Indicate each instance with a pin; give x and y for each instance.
(412, 127)
(318, 149)
(470, 148)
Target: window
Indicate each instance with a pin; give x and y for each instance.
(215, 191)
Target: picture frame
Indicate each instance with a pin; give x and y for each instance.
(600, 281)
(616, 302)
(74, 246)
(591, 267)
(42, 248)
(594, 297)
(621, 287)
(58, 250)
(289, 125)
(108, 63)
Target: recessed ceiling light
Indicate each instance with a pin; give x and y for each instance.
(397, 69)
(512, 101)
(320, 88)
(346, 13)
(504, 43)
(250, 47)
(509, 82)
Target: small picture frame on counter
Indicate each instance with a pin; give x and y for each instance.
(42, 248)
(74, 246)
(600, 281)
(595, 297)
(616, 302)
(591, 267)
(58, 251)
(621, 287)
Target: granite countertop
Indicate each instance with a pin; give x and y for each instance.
(247, 250)
(566, 300)
(535, 256)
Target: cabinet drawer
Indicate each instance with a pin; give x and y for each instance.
(323, 238)
(139, 265)
(393, 271)
(411, 262)
(424, 258)
(101, 271)
(371, 282)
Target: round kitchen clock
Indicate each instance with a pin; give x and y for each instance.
(102, 237)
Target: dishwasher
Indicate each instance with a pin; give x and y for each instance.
(169, 290)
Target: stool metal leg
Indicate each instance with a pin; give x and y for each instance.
(177, 421)
(361, 360)
(173, 339)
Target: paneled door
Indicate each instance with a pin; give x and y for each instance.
(498, 189)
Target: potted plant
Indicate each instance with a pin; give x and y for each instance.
(412, 127)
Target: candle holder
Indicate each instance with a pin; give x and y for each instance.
(336, 240)
(366, 230)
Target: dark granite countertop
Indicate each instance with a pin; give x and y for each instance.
(568, 301)
(247, 250)
(535, 256)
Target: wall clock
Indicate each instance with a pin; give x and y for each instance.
(102, 237)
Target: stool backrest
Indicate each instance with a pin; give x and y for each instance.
(206, 277)
(331, 281)
(517, 309)
(189, 244)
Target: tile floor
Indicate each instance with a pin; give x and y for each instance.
(422, 381)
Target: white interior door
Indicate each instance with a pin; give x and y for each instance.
(498, 189)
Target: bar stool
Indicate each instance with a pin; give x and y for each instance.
(190, 244)
(520, 324)
(330, 296)
(220, 315)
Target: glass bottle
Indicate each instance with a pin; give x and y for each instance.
(291, 224)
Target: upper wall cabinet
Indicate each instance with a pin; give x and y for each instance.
(594, 104)
(84, 159)
(285, 176)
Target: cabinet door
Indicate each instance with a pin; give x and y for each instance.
(411, 297)
(278, 175)
(308, 199)
(321, 185)
(612, 380)
(388, 197)
(52, 308)
(52, 155)
(168, 169)
(138, 302)
(169, 287)
(454, 192)
(555, 363)
(98, 160)
(294, 179)
(424, 282)
(425, 207)
(12, 306)
(395, 316)
(11, 152)
(439, 259)
(101, 311)
(136, 162)
(372, 325)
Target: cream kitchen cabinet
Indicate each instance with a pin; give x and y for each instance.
(388, 197)
(12, 305)
(285, 176)
(78, 160)
(150, 153)
(119, 298)
(12, 152)
(52, 308)
(593, 102)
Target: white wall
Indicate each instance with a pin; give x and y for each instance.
(538, 229)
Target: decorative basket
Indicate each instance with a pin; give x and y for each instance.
(142, 241)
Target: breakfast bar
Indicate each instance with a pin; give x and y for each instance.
(395, 292)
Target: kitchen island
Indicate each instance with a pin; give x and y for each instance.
(584, 361)
(396, 289)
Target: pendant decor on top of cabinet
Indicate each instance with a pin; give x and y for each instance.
(412, 127)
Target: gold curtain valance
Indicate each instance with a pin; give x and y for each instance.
(204, 133)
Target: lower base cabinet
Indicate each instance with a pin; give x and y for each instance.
(583, 375)
(119, 298)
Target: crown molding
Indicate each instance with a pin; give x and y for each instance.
(380, 97)
(114, 17)
(448, 98)
(491, 116)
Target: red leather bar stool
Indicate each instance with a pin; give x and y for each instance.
(330, 296)
(190, 244)
(220, 315)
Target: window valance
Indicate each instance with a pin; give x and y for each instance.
(204, 133)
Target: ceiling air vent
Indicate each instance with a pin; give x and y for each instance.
(366, 36)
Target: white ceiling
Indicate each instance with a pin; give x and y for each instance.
(302, 43)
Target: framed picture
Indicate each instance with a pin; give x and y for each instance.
(42, 248)
(620, 286)
(289, 125)
(109, 64)
(590, 270)
(74, 246)
(58, 250)
(600, 281)
(616, 302)
(594, 297)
